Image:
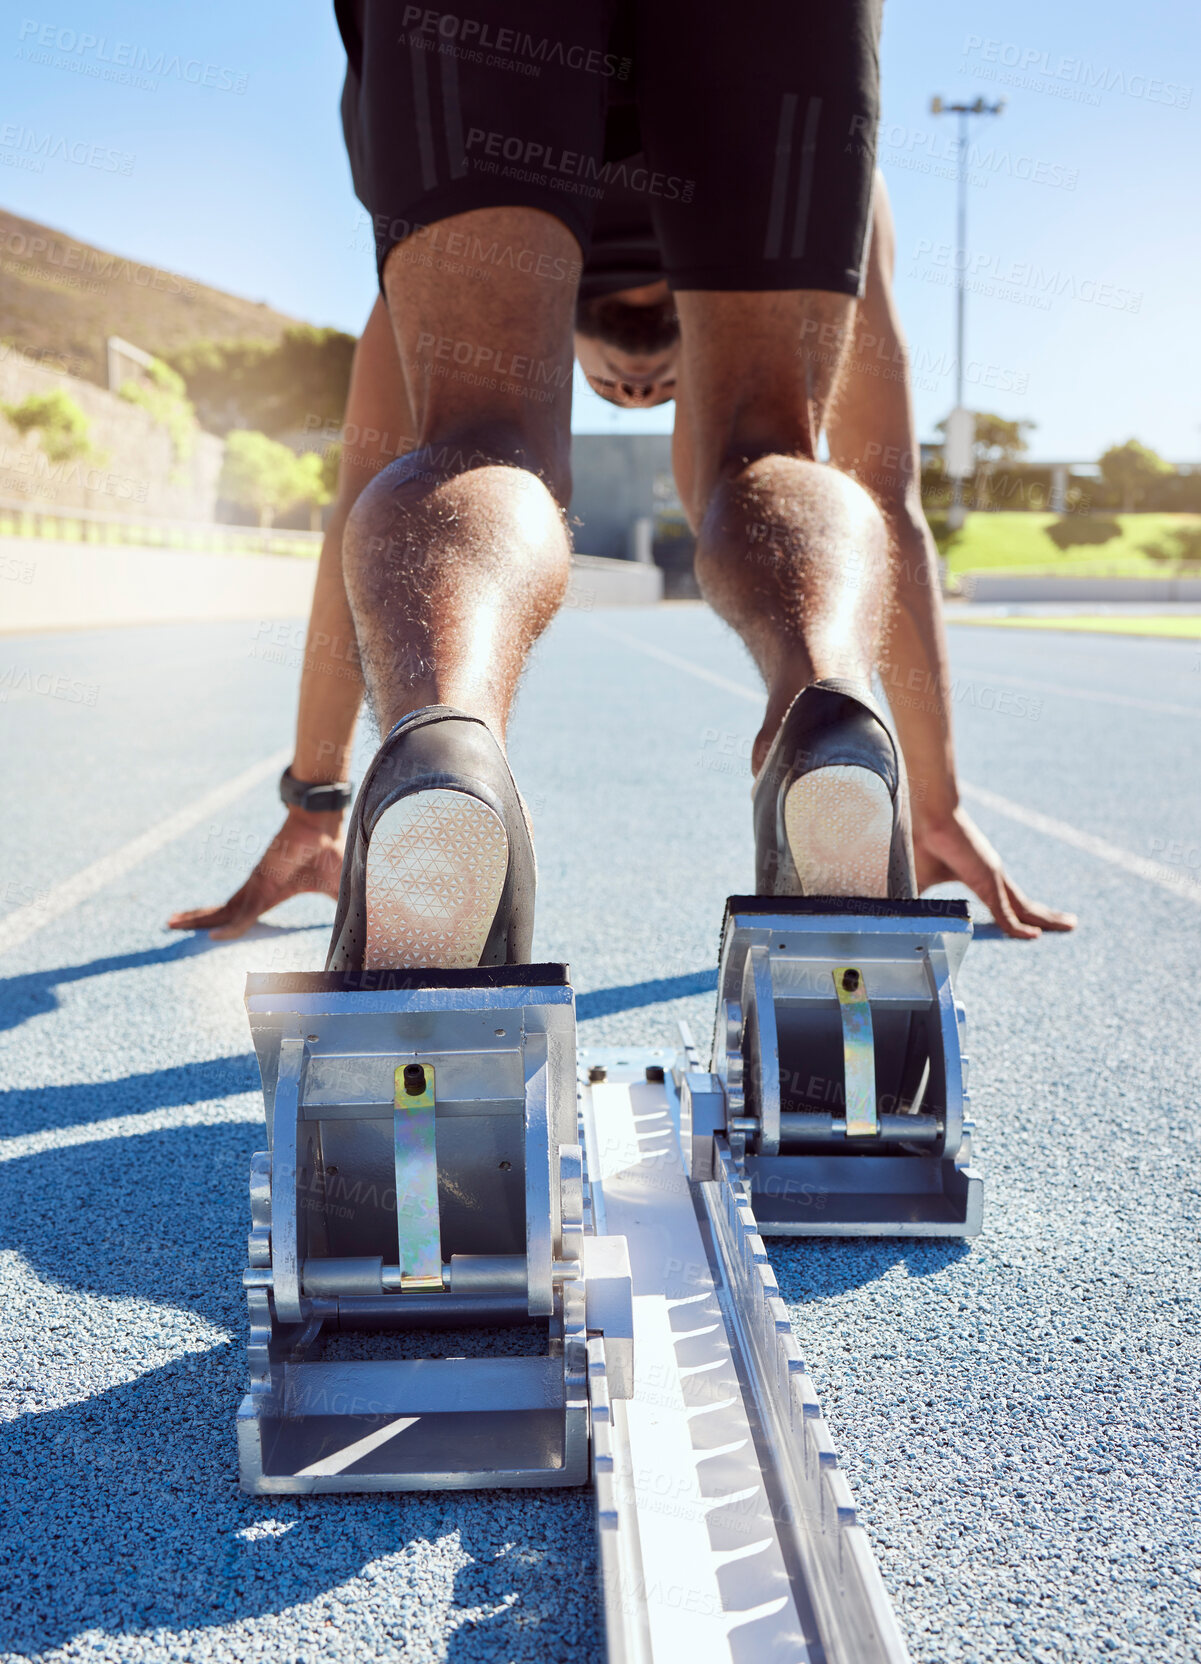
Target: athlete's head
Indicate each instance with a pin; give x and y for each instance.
(627, 344)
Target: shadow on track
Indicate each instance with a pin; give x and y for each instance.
(125, 1513)
(987, 930)
(628, 996)
(32, 995)
(127, 1517)
(160, 1217)
(819, 1267)
(39, 1108)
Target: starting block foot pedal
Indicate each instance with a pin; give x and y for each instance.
(838, 1083)
(424, 1171)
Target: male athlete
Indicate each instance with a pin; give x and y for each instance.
(734, 289)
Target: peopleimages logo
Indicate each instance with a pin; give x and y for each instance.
(1041, 285)
(119, 60)
(91, 263)
(919, 148)
(493, 359)
(1029, 62)
(548, 161)
(471, 33)
(48, 685)
(44, 147)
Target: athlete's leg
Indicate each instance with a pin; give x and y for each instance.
(790, 552)
(457, 556)
(763, 223)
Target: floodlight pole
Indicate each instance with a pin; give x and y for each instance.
(962, 111)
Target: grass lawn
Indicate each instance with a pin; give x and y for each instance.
(992, 542)
(1186, 627)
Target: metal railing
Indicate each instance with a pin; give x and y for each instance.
(87, 525)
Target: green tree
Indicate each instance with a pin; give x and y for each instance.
(997, 443)
(263, 476)
(60, 424)
(317, 487)
(297, 384)
(997, 440)
(331, 462)
(164, 396)
(1129, 469)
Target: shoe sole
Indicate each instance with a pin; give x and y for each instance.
(436, 868)
(839, 823)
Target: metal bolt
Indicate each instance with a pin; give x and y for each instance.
(414, 1079)
(850, 981)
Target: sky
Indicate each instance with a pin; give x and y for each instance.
(1084, 213)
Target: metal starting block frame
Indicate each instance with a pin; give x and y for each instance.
(838, 1074)
(439, 1157)
(424, 1171)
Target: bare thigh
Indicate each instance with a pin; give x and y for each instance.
(378, 425)
(485, 349)
(756, 377)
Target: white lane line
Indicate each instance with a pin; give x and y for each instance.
(1154, 872)
(19, 925)
(676, 663)
(1097, 696)
(219, 1112)
(341, 1459)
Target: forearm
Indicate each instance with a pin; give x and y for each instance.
(915, 667)
(305, 855)
(331, 682)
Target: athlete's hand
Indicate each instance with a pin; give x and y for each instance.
(955, 848)
(304, 856)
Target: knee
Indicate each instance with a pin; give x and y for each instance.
(781, 483)
(536, 448)
(745, 445)
(531, 484)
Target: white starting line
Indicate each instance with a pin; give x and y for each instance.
(18, 926)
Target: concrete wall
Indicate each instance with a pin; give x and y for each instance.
(613, 479)
(72, 586)
(132, 470)
(597, 582)
(1012, 586)
(46, 585)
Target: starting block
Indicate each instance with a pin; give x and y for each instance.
(838, 1076)
(440, 1160)
(424, 1172)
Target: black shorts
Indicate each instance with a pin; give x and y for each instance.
(744, 137)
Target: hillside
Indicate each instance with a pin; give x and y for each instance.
(62, 298)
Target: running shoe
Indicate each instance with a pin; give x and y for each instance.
(439, 866)
(831, 808)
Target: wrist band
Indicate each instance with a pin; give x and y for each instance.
(317, 799)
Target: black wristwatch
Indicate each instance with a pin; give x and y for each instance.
(318, 800)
